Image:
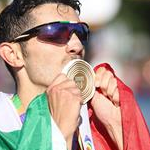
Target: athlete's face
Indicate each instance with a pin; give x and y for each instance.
(44, 61)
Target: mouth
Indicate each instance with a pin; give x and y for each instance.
(76, 57)
(72, 57)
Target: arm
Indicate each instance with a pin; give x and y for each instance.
(106, 105)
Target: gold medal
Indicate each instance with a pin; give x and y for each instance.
(83, 74)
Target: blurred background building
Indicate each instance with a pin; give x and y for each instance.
(120, 36)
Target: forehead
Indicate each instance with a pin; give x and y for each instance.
(54, 12)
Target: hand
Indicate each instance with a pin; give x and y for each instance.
(106, 104)
(65, 104)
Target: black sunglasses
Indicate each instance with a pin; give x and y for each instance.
(56, 32)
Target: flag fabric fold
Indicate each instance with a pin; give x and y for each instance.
(35, 132)
(39, 131)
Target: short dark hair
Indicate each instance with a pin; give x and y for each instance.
(15, 18)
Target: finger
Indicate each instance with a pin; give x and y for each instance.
(105, 82)
(60, 78)
(99, 75)
(115, 98)
(67, 84)
(112, 85)
(62, 82)
(74, 90)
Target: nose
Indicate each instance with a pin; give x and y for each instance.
(75, 46)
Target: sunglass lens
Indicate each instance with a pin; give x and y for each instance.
(60, 33)
(54, 33)
(82, 33)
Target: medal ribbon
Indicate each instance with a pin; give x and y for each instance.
(85, 136)
(18, 105)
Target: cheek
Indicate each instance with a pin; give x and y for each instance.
(42, 72)
(44, 62)
(42, 69)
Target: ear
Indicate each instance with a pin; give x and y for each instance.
(11, 53)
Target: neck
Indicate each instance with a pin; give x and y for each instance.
(27, 90)
(26, 95)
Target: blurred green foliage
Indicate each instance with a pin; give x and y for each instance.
(136, 14)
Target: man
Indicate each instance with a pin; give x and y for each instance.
(38, 38)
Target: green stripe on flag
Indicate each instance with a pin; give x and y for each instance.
(16, 101)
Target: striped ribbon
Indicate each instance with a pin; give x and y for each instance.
(20, 109)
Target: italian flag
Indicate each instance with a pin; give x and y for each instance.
(39, 131)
